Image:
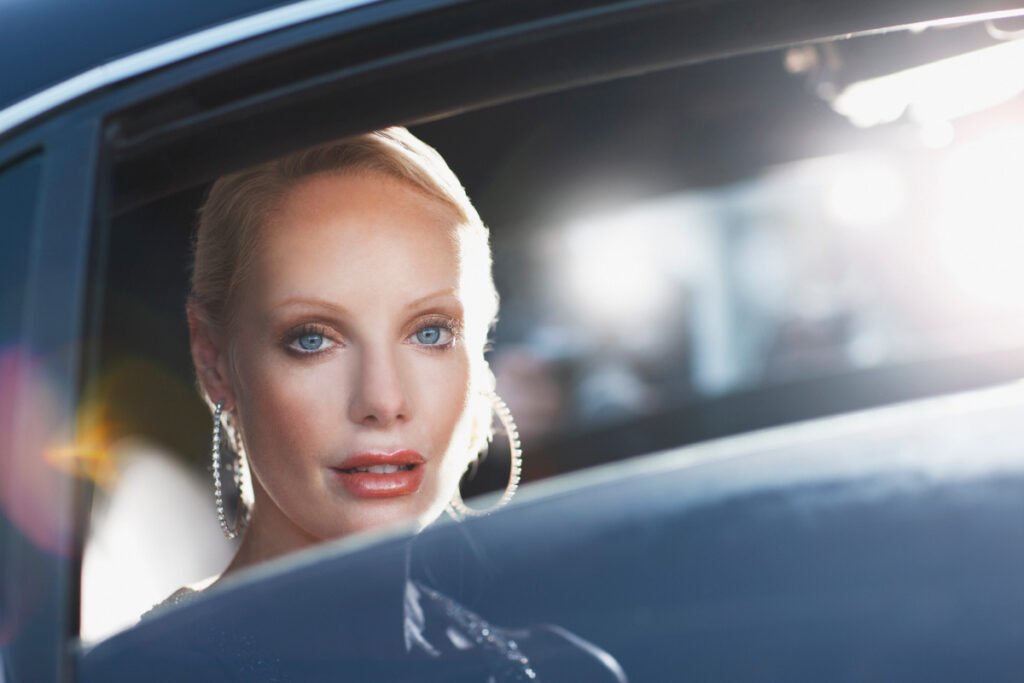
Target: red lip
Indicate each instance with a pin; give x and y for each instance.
(363, 484)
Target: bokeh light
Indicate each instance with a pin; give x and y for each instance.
(978, 222)
(624, 268)
(33, 491)
(615, 271)
(864, 192)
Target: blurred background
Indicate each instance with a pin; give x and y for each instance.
(681, 256)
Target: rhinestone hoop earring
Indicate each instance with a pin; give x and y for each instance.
(457, 507)
(242, 518)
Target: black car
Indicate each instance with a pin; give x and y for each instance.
(792, 454)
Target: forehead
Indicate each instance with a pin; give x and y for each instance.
(361, 207)
(363, 235)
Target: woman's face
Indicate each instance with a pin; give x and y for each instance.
(349, 374)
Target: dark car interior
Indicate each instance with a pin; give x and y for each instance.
(701, 130)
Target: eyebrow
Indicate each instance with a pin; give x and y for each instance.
(311, 301)
(447, 292)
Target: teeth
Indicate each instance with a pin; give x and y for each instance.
(381, 469)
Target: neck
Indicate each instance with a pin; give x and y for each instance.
(269, 534)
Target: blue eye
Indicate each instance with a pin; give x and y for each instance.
(436, 334)
(429, 335)
(311, 342)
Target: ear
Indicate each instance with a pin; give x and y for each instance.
(209, 355)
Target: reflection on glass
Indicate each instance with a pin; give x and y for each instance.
(442, 628)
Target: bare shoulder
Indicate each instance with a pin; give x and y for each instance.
(183, 594)
(179, 596)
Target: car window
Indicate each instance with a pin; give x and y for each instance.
(19, 185)
(684, 255)
(19, 182)
(705, 251)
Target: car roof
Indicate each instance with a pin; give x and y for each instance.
(64, 49)
(51, 41)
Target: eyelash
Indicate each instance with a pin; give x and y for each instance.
(453, 327)
(293, 337)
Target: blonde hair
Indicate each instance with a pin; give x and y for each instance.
(238, 205)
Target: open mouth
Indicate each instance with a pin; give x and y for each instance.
(377, 475)
(378, 469)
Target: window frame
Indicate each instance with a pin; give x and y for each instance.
(56, 283)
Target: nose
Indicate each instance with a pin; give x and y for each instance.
(379, 398)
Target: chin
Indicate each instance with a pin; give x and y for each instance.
(378, 515)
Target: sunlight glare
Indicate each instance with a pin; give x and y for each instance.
(940, 91)
(616, 267)
(864, 192)
(980, 231)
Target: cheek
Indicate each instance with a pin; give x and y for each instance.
(283, 406)
(449, 418)
(444, 389)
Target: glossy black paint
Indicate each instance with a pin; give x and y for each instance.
(884, 548)
(53, 40)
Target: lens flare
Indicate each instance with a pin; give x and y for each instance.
(89, 454)
(43, 449)
(33, 494)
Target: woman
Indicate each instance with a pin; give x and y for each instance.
(341, 300)
(340, 306)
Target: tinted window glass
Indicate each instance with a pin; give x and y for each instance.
(18, 194)
(18, 185)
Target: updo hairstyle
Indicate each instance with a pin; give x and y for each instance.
(237, 206)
